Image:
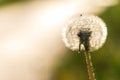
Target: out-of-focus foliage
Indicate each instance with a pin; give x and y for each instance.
(5, 2)
(106, 61)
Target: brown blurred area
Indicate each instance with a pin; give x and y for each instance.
(30, 35)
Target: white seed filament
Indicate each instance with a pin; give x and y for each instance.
(84, 22)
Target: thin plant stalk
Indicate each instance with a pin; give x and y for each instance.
(89, 66)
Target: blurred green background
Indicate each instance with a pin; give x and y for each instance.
(106, 61)
(7, 2)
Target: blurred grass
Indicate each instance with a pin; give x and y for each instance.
(6, 2)
(106, 61)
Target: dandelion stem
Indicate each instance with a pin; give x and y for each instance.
(89, 66)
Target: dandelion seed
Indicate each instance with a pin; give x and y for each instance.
(79, 27)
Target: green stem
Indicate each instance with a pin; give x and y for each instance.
(89, 66)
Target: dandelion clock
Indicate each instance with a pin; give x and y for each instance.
(85, 32)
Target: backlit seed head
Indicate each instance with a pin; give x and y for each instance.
(84, 32)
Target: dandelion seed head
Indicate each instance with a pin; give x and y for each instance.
(84, 23)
